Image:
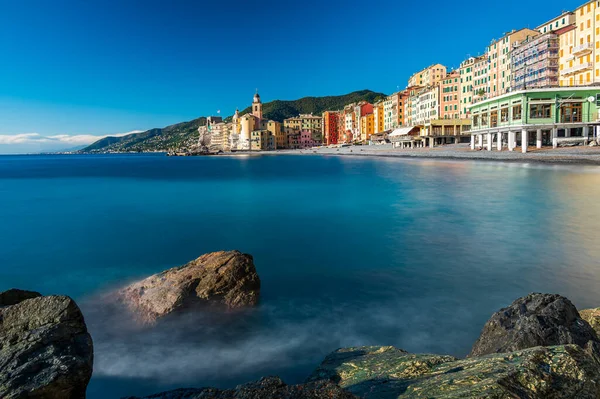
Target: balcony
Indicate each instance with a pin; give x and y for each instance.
(578, 68)
(570, 58)
(583, 49)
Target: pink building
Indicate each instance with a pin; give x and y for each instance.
(307, 140)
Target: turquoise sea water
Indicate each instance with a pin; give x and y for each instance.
(351, 251)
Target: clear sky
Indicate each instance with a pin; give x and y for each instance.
(93, 68)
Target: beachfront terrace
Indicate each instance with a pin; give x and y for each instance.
(550, 116)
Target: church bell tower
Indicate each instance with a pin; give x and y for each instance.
(257, 106)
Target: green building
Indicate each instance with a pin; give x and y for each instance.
(536, 117)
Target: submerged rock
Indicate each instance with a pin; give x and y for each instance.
(45, 349)
(567, 371)
(225, 278)
(269, 387)
(15, 295)
(534, 320)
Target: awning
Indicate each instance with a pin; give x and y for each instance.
(401, 131)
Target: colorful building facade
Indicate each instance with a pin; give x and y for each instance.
(449, 90)
(331, 134)
(428, 76)
(546, 116)
(378, 114)
(390, 112)
(580, 48)
(498, 53)
(535, 62)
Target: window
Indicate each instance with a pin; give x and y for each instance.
(504, 115)
(494, 118)
(516, 112)
(571, 112)
(540, 110)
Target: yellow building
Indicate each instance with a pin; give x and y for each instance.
(370, 125)
(278, 133)
(367, 126)
(293, 123)
(579, 48)
(379, 117)
(262, 140)
(428, 76)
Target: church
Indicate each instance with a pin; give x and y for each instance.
(252, 132)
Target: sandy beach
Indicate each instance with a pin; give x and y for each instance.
(567, 155)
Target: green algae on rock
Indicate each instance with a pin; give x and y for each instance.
(566, 371)
(268, 387)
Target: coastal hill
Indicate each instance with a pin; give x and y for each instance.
(279, 110)
(179, 135)
(182, 135)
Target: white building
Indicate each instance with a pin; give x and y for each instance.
(390, 112)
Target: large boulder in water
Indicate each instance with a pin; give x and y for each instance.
(226, 278)
(45, 349)
(534, 320)
(558, 372)
(269, 387)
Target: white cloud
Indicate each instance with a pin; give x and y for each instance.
(23, 138)
(35, 142)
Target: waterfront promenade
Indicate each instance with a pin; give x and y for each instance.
(568, 155)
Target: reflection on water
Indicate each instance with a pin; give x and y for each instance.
(351, 251)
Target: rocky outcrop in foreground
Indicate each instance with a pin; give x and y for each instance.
(539, 347)
(535, 320)
(14, 296)
(592, 316)
(269, 387)
(566, 371)
(45, 349)
(226, 278)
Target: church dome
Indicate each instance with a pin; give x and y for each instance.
(256, 98)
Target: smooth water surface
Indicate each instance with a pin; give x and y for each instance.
(351, 251)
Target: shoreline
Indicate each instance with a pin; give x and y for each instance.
(589, 156)
(579, 155)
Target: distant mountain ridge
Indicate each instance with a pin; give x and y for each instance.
(184, 135)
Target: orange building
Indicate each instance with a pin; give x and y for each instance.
(402, 107)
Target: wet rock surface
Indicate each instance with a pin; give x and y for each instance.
(534, 320)
(45, 349)
(567, 371)
(269, 387)
(592, 316)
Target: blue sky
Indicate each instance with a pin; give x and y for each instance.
(94, 68)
